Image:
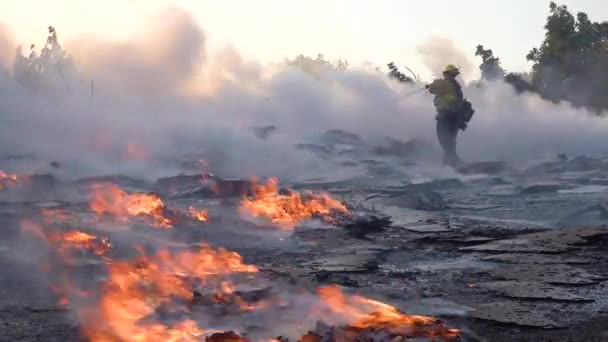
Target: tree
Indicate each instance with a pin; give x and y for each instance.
(315, 67)
(572, 61)
(490, 66)
(519, 82)
(53, 67)
(397, 75)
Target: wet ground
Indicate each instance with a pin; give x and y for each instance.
(506, 256)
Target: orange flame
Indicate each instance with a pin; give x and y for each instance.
(199, 214)
(135, 290)
(110, 199)
(362, 313)
(78, 239)
(286, 211)
(66, 241)
(9, 179)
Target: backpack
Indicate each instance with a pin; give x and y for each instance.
(466, 113)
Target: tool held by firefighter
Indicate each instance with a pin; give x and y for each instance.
(453, 112)
(414, 92)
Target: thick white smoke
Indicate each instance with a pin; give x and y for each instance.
(162, 92)
(7, 47)
(437, 52)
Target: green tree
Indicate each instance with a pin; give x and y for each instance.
(490, 66)
(395, 74)
(520, 82)
(572, 61)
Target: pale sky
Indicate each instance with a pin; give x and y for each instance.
(268, 30)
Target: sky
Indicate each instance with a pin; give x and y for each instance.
(357, 30)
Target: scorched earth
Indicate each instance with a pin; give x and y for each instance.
(485, 256)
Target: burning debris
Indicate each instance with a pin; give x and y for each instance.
(82, 240)
(287, 209)
(367, 315)
(137, 290)
(161, 297)
(187, 295)
(357, 318)
(109, 199)
(199, 214)
(66, 242)
(325, 332)
(152, 298)
(66, 246)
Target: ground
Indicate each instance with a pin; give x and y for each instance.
(505, 256)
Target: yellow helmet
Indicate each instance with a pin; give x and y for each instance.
(450, 68)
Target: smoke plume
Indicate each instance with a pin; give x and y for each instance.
(136, 106)
(437, 52)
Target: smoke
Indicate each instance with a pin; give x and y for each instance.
(437, 52)
(7, 47)
(514, 127)
(160, 58)
(137, 106)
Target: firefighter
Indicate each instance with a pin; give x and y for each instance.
(453, 112)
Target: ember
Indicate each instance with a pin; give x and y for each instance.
(287, 210)
(199, 214)
(136, 290)
(112, 200)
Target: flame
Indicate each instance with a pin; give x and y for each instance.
(64, 242)
(78, 239)
(139, 291)
(9, 179)
(136, 290)
(286, 211)
(199, 214)
(363, 313)
(110, 199)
